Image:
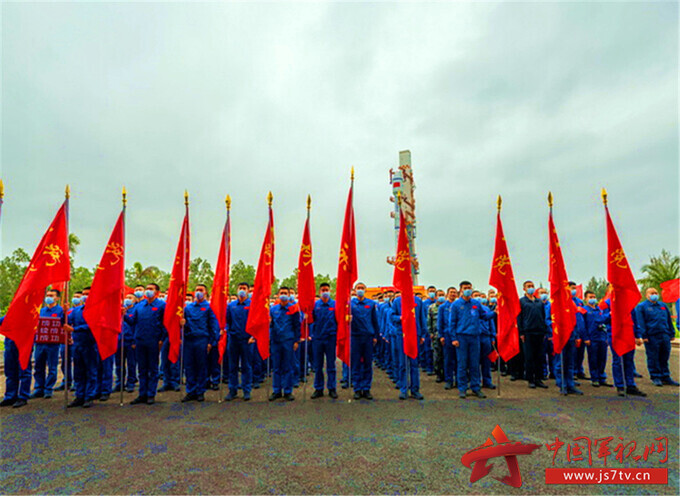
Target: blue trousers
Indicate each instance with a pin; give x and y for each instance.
(568, 353)
(549, 362)
(240, 356)
(170, 370)
(85, 358)
(486, 347)
(68, 372)
(345, 373)
(394, 357)
(623, 376)
(467, 355)
(597, 361)
(128, 368)
(578, 359)
(213, 371)
(258, 365)
(408, 375)
(17, 380)
(324, 348)
(105, 375)
(45, 356)
(450, 361)
(282, 362)
(147, 367)
(196, 364)
(362, 362)
(658, 350)
(425, 356)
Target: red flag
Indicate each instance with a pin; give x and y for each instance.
(258, 316)
(347, 276)
(306, 286)
(579, 291)
(403, 281)
(670, 290)
(103, 310)
(174, 307)
(625, 295)
(562, 307)
(220, 288)
(503, 279)
(50, 265)
(493, 356)
(607, 296)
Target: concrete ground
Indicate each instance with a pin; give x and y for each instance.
(324, 446)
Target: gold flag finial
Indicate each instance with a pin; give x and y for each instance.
(550, 199)
(352, 173)
(67, 192)
(270, 198)
(604, 196)
(124, 197)
(2, 189)
(227, 202)
(186, 198)
(499, 202)
(309, 202)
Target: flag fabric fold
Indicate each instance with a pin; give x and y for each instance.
(220, 287)
(103, 310)
(403, 281)
(503, 279)
(306, 286)
(347, 276)
(670, 290)
(179, 279)
(50, 264)
(625, 293)
(258, 315)
(562, 307)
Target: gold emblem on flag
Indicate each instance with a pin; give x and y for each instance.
(500, 262)
(117, 251)
(54, 252)
(619, 258)
(306, 254)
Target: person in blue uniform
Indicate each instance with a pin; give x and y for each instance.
(408, 374)
(579, 355)
(364, 335)
(323, 331)
(486, 340)
(171, 373)
(104, 377)
(201, 332)
(17, 380)
(567, 358)
(46, 355)
(126, 365)
(444, 327)
(85, 356)
(548, 359)
(532, 332)
(656, 327)
(597, 329)
(239, 344)
(147, 321)
(67, 368)
(285, 338)
(465, 331)
(425, 353)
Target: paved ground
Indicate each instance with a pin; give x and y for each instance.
(324, 446)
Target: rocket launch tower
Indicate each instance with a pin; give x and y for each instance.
(402, 182)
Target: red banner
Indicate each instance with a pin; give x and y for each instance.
(347, 276)
(562, 307)
(403, 281)
(174, 307)
(220, 288)
(306, 286)
(50, 331)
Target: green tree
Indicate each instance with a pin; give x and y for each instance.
(597, 286)
(12, 270)
(240, 272)
(659, 269)
(138, 274)
(200, 272)
(73, 243)
(81, 277)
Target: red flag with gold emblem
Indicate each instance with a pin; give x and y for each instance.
(625, 295)
(503, 279)
(103, 310)
(562, 307)
(179, 279)
(220, 288)
(347, 276)
(50, 264)
(306, 286)
(403, 281)
(258, 315)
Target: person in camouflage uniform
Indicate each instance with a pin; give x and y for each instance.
(433, 328)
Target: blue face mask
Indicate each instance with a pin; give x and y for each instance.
(467, 293)
(128, 302)
(484, 301)
(283, 298)
(592, 301)
(654, 297)
(75, 301)
(325, 296)
(531, 291)
(49, 300)
(431, 295)
(149, 293)
(291, 299)
(187, 302)
(241, 293)
(83, 299)
(199, 295)
(361, 293)
(441, 299)
(573, 292)
(139, 294)
(250, 295)
(544, 297)
(493, 300)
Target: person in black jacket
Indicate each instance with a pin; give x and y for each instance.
(532, 331)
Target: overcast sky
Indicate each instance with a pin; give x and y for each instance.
(511, 99)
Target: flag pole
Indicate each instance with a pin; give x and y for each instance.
(499, 203)
(67, 195)
(184, 292)
(270, 199)
(563, 388)
(306, 321)
(349, 308)
(123, 370)
(227, 202)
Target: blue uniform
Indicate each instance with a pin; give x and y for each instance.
(240, 352)
(85, 356)
(47, 355)
(200, 330)
(425, 354)
(549, 361)
(656, 327)
(17, 380)
(126, 362)
(364, 330)
(408, 374)
(324, 332)
(147, 321)
(579, 355)
(569, 354)
(466, 327)
(285, 332)
(486, 347)
(596, 325)
(450, 359)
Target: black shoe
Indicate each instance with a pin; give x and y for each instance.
(117, 389)
(620, 391)
(541, 385)
(200, 398)
(358, 395)
(87, 404)
(596, 384)
(215, 387)
(318, 393)
(657, 382)
(151, 400)
(275, 396)
(130, 390)
(288, 397)
(177, 389)
(104, 397)
(368, 395)
(489, 386)
(430, 374)
(576, 383)
(439, 379)
(639, 376)
(188, 397)
(448, 386)
(60, 388)
(76, 402)
(606, 384)
(37, 394)
(333, 394)
(256, 385)
(479, 394)
(232, 395)
(462, 395)
(19, 403)
(416, 395)
(670, 382)
(246, 396)
(513, 378)
(582, 376)
(8, 402)
(532, 385)
(166, 388)
(575, 391)
(138, 400)
(48, 396)
(634, 391)
(402, 396)
(344, 385)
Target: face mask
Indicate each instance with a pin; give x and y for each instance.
(127, 302)
(187, 302)
(592, 301)
(150, 293)
(49, 300)
(283, 298)
(361, 293)
(75, 301)
(250, 295)
(544, 297)
(441, 299)
(530, 291)
(199, 295)
(431, 295)
(493, 300)
(654, 297)
(291, 299)
(139, 294)
(325, 296)
(467, 293)
(573, 292)
(241, 294)
(484, 301)
(83, 299)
